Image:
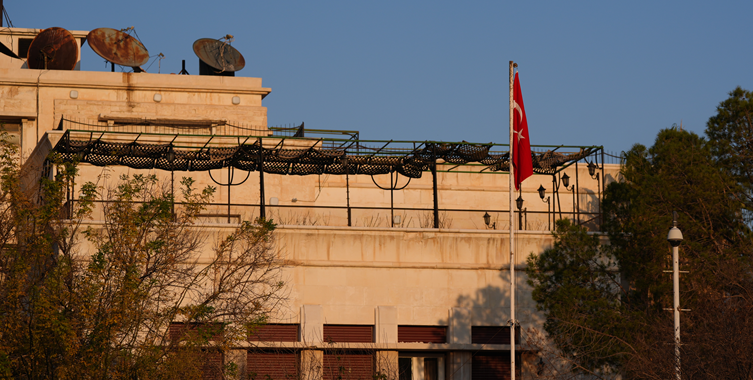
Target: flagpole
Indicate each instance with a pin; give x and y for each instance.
(512, 234)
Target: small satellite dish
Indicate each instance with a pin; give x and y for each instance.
(219, 55)
(118, 47)
(53, 49)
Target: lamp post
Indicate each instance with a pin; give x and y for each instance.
(592, 172)
(566, 182)
(542, 193)
(519, 203)
(674, 237)
(591, 169)
(488, 221)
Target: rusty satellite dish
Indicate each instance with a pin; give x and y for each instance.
(118, 47)
(53, 49)
(219, 55)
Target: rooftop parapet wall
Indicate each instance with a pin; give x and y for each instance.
(45, 96)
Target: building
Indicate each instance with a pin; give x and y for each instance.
(397, 253)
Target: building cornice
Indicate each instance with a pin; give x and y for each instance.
(131, 81)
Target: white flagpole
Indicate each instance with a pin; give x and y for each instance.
(512, 233)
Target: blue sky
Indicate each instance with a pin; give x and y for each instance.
(592, 73)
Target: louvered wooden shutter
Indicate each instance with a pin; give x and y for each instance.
(349, 333)
(422, 334)
(491, 366)
(493, 335)
(275, 333)
(193, 331)
(264, 365)
(348, 366)
(212, 365)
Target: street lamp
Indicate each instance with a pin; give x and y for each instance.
(592, 172)
(566, 182)
(170, 155)
(674, 237)
(519, 203)
(591, 169)
(542, 193)
(488, 221)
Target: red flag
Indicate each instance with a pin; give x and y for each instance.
(522, 150)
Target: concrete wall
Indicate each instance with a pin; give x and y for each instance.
(422, 273)
(41, 98)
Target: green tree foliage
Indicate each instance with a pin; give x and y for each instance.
(617, 294)
(577, 284)
(82, 299)
(677, 174)
(730, 134)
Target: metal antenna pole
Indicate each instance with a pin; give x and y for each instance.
(512, 234)
(675, 238)
(676, 306)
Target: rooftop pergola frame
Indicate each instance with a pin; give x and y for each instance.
(289, 155)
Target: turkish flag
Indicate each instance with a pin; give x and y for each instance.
(522, 146)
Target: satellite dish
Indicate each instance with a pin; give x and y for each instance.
(219, 55)
(118, 47)
(53, 49)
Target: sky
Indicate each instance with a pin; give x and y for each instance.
(592, 73)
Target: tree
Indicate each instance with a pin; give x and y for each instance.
(577, 285)
(730, 134)
(633, 334)
(81, 299)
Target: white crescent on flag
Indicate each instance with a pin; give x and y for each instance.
(517, 108)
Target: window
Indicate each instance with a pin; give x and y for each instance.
(212, 363)
(272, 365)
(23, 47)
(493, 335)
(195, 331)
(274, 333)
(13, 129)
(422, 334)
(421, 366)
(349, 333)
(348, 365)
(491, 366)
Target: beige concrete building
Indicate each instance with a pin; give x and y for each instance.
(391, 263)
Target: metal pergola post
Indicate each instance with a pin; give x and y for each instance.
(436, 201)
(347, 191)
(576, 195)
(262, 211)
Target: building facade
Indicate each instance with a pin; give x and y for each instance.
(396, 254)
